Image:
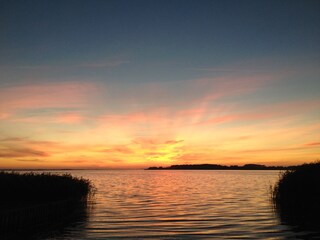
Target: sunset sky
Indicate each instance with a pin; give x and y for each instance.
(132, 84)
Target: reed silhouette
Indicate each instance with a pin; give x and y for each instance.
(34, 204)
(296, 196)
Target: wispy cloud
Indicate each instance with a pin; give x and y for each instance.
(118, 149)
(4, 115)
(312, 144)
(48, 102)
(264, 112)
(94, 123)
(30, 160)
(173, 141)
(21, 152)
(154, 143)
(46, 95)
(70, 118)
(24, 147)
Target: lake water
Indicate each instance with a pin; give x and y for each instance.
(168, 204)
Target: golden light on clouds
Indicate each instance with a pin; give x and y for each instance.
(90, 124)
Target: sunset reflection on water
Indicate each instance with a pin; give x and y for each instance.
(181, 204)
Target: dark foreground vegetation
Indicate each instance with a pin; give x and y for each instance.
(296, 196)
(34, 204)
(220, 167)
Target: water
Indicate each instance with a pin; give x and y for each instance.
(181, 205)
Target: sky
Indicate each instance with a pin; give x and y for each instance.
(132, 84)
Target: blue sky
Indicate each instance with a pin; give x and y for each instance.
(226, 62)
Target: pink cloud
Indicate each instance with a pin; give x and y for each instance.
(217, 120)
(61, 118)
(272, 111)
(69, 118)
(166, 106)
(46, 95)
(125, 118)
(134, 122)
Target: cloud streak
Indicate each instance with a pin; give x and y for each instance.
(46, 95)
(21, 152)
(99, 124)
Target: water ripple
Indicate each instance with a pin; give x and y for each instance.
(181, 205)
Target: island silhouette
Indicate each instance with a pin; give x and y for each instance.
(222, 167)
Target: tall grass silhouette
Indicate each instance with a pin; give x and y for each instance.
(33, 203)
(32, 187)
(296, 196)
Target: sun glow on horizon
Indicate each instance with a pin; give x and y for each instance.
(76, 124)
(121, 84)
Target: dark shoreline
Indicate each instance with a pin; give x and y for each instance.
(35, 204)
(222, 167)
(296, 196)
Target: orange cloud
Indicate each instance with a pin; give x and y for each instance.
(29, 160)
(4, 115)
(312, 144)
(153, 143)
(21, 152)
(85, 124)
(192, 157)
(25, 147)
(119, 149)
(280, 149)
(173, 141)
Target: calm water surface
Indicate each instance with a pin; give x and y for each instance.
(181, 205)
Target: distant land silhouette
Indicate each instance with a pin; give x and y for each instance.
(221, 167)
